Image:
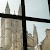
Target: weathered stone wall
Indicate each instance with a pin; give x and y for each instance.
(46, 42)
(30, 41)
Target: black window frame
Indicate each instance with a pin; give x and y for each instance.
(24, 18)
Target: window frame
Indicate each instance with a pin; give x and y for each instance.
(24, 18)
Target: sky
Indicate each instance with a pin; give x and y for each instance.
(33, 8)
(40, 27)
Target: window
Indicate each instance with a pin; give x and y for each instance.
(23, 17)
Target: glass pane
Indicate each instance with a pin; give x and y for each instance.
(10, 6)
(37, 8)
(11, 37)
(38, 35)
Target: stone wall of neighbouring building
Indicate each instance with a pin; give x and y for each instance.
(46, 42)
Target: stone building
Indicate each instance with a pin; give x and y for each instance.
(11, 33)
(32, 41)
(46, 41)
(45, 44)
(38, 46)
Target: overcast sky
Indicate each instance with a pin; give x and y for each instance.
(34, 8)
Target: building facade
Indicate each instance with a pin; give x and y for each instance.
(11, 33)
(46, 42)
(12, 37)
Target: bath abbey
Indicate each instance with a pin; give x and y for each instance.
(12, 37)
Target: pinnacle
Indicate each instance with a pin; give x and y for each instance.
(34, 26)
(7, 6)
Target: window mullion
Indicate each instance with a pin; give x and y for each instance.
(24, 25)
